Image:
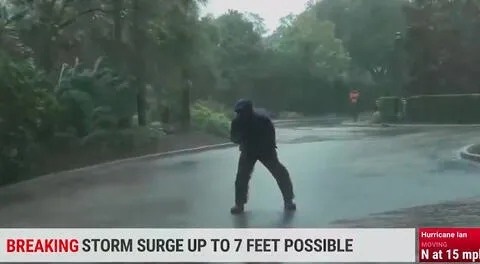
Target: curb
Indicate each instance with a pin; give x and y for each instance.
(147, 157)
(466, 154)
(410, 125)
(301, 120)
(286, 123)
(363, 125)
(435, 125)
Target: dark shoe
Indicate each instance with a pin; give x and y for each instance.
(237, 209)
(290, 206)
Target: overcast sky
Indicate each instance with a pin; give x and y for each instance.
(270, 10)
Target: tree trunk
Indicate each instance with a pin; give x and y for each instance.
(185, 100)
(117, 20)
(141, 104)
(138, 64)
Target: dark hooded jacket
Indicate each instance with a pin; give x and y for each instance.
(254, 132)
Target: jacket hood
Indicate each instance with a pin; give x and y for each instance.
(244, 105)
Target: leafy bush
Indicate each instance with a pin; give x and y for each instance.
(217, 107)
(209, 120)
(157, 126)
(448, 108)
(94, 98)
(26, 114)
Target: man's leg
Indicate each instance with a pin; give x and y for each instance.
(281, 175)
(244, 172)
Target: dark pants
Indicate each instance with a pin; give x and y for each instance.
(270, 161)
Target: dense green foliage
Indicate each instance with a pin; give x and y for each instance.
(94, 98)
(447, 108)
(442, 42)
(117, 74)
(389, 107)
(26, 114)
(211, 120)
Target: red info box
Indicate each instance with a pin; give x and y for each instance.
(449, 244)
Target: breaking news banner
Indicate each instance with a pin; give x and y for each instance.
(449, 244)
(207, 245)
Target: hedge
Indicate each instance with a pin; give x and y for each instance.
(387, 109)
(210, 120)
(447, 108)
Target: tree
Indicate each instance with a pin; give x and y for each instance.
(239, 51)
(367, 29)
(308, 60)
(9, 36)
(316, 45)
(44, 28)
(440, 42)
(26, 108)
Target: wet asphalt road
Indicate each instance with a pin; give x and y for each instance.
(338, 173)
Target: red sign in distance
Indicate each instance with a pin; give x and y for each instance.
(354, 96)
(449, 245)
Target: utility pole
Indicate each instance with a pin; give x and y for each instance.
(399, 64)
(138, 63)
(399, 86)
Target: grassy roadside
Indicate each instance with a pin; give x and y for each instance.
(65, 151)
(56, 161)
